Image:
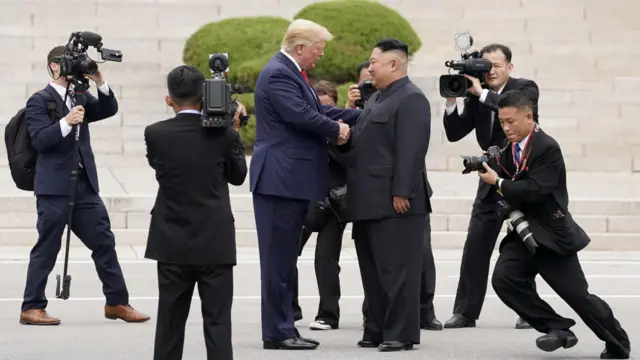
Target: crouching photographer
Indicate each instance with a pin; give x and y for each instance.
(195, 156)
(484, 75)
(529, 178)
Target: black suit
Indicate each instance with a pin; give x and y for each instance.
(192, 232)
(540, 192)
(387, 158)
(484, 226)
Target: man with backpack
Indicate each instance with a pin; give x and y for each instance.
(50, 118)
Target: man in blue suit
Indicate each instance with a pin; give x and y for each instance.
(53, 139)
(289, 168)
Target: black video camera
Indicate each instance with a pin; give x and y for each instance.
(472, 64)
(218, 106)
(366, 91)
(474, 163)
(76, 63)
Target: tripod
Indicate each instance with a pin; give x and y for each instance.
(78, 97)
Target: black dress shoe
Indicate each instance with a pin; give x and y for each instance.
(458, 321)
(555, 340)
(289, 344)
(521, 324)
(614, 354)
(395, 346)
(368, 344)
(310, 341)
(434, 324)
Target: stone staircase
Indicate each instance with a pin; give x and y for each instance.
(581, 54)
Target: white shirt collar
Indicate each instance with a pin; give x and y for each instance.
(292, 59)
(61, 90)
(190, 111)
(502, 88)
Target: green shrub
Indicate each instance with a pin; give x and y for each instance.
(243, 38)
(356, 26)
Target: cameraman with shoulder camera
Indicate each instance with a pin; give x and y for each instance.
(530, 177)
(480, 114)
(53, 141)
(192, 232)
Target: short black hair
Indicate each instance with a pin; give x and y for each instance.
(391, 44)
(497, 47)
(55, 55)
(361, 67)
(185, 85)
(517, 99)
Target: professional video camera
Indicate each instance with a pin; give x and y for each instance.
(516, 221)
(474, 163)
(76, 63)
(366, 90)
(472, 64)
(218, 105)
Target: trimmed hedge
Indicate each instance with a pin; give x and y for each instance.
(251, 41)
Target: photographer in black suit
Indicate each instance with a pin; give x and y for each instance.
(192, 232)
(480, 114)
(531, 180)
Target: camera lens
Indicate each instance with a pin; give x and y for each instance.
(454, 85)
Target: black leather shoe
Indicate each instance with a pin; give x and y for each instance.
(434, 324)
(395, 346)
(614, 354)
(553, 341)
(521, 324)
(368, 344)
(289, 344)
(310, 341)
(458, 321)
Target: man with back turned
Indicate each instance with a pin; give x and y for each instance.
(531, 178)
(480, 114)
(388, 199)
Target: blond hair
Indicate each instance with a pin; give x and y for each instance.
(304, 32)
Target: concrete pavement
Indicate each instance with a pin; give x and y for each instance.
(85, 334)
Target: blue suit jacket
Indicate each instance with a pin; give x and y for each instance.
(55, 153)
(290, 156)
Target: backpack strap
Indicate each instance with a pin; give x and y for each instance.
(52, 106)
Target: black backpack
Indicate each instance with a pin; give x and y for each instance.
(22, 156)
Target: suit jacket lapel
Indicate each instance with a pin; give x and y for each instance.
(288, 63)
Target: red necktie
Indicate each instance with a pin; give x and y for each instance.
(304, 75)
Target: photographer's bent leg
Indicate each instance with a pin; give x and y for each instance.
(175, 291)
(565, 276)
(482, 235)
(427, 278)
(215, 286)
(399, 267)
(512, 281)
(327, 268)
(52, 218)
(90, 222)
(279, 225)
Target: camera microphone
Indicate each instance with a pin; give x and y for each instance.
(90, 38)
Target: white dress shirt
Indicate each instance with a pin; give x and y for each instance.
(65, 128)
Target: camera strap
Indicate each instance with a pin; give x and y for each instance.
(521, 163)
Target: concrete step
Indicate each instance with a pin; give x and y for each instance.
(248, 238)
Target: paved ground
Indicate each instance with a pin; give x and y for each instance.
(85, 334)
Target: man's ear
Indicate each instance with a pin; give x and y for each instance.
(169, 101)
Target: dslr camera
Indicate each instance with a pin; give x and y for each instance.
(366, 91)
(218, 106)
(474, 163)
(472, 64)
(76, 63)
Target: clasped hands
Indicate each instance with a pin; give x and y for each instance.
(344, 133)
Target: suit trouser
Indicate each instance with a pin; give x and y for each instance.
(427, 280)
(279, 225)
(90, 223)
(176, 283)
(327, 269)
(512, 281)
(390, 259)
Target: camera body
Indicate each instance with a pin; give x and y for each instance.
(218, 106)
(76, 63)
(471, 63)
(366, 91)
(474, 163)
